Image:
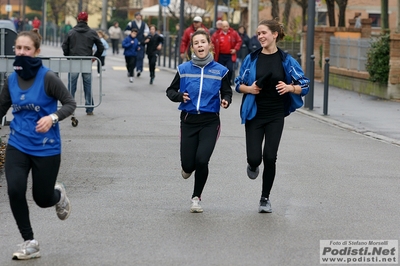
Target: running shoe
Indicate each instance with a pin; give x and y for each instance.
(265, 205)
(27, 250)
(185, 175)
(252, 173)
(63, 207)
(196, 208)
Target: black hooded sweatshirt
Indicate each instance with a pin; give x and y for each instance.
(80, 40)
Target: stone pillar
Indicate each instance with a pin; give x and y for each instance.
(321, 49)
(394, 62)
(366, 27)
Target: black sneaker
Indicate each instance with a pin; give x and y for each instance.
(138, 74)
(265, 206)
(252, 173)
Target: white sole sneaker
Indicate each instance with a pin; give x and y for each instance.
(63, 207)
(28, 250)
(196, 208)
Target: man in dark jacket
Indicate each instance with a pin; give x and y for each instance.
(79, 42)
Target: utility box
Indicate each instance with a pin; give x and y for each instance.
(7, 38)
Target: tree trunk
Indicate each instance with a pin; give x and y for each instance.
(330, 4)
(384, 16)
(275, 9)
(304, 5)
(342, 12)
(286, 13)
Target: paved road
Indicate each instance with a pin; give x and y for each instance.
(131, 206)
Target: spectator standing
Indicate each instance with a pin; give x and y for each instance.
(20, 25)
(202, 88)
(79, 42)
(33, 91)
(36, 23)
(154, 44)
(187, 34)
(142, 32)
(27, 25)
(245, 48)
(131, 46)
(67, 27)
(218, 26)
(272, 83)
(226, 43)
(103, 38)
(254, 43)
(115, 33)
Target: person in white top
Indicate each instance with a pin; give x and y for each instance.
(115, 33)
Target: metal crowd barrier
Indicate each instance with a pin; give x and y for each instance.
(62, 66)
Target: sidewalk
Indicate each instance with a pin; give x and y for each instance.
(364, 114)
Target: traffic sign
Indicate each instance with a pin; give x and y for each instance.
(165, 2)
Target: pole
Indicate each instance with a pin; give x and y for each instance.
(8, 12)
(310, 51)
(215, 14)
(181, 25)
(44, 18)
(253, 16)
(326, 86)
(104, 15)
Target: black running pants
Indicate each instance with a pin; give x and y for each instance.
(44, 176)
(197, 145)
(269, 131)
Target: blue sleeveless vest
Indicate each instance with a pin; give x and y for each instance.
(203, 85)
(28, 107)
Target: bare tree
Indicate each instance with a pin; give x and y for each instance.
(286, 13)
(330, 4)
(304, 5)
(57, 10)
(342, 12)
(275, 9)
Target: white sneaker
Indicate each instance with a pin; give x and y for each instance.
(63, 207)
(196, 208)
(131, 79)
(27, 250)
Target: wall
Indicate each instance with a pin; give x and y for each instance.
(349, 79)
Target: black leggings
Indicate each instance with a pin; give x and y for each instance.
(102, 61)
(269, 131)
(130, 64)
(115, 48)
(197, 145)
(44, 176)
(152, 64)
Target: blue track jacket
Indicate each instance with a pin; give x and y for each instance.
(293, 74)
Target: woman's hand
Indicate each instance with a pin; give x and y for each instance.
(253, 89)
(283, 88)
(44, 124)
(186, 97)
(224, 103)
